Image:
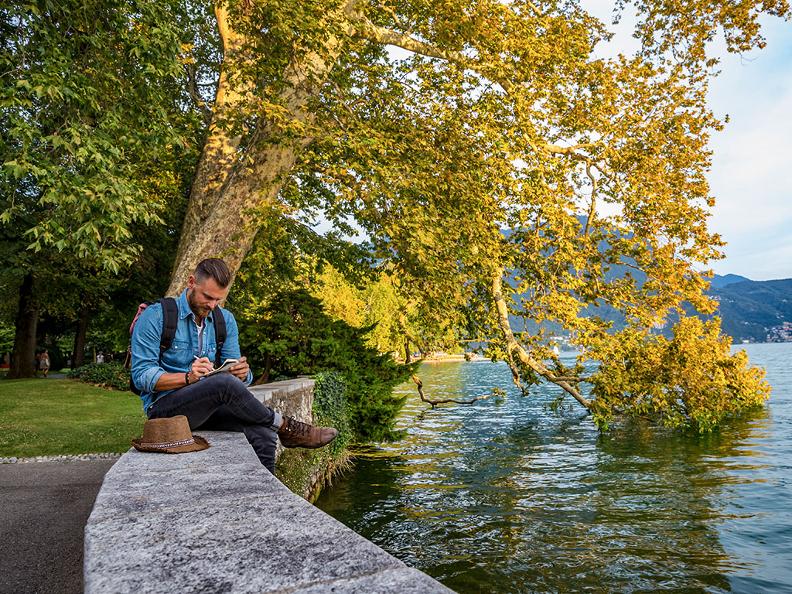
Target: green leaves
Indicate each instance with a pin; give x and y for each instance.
(293, 336)
(691, 381)
(91, 112)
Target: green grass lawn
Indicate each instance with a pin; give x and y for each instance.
(53, 417)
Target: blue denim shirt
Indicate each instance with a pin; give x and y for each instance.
(146, 366)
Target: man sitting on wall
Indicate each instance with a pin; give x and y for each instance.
(174, 382)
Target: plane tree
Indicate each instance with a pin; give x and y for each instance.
(503, 168)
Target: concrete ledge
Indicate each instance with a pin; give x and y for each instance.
(218, 521)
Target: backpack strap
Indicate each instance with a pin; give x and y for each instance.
(170, 319)
(220, 335)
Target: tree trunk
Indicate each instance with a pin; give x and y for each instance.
(78, 354)
(23, 359)
(407, 354)
(219, 151)
(230, 184)
(264, 377)
(230, 227)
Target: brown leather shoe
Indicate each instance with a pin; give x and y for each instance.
(294, 434)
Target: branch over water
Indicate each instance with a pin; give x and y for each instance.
(434, 403)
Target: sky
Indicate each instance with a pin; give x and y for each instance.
(751, 176)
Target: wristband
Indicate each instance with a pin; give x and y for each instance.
(187, 378)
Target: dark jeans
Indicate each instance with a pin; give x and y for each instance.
(223, 403)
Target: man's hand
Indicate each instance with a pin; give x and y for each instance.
(240, 369)
(200, 368)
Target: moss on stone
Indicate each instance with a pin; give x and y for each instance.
(307, 472)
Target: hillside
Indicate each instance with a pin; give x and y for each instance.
(719, 281)
(753, 311)
(750, 309)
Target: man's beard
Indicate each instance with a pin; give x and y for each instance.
(199, 310)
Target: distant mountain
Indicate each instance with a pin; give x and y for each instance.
(719, 281)
(756, 311)
(751, 310)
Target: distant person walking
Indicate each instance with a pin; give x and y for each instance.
(44, 363)
(100, 358)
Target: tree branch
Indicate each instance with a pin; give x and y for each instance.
(557, 149)
(516, 349)
(195, 95)
(593, 206)
(434, 403)
(365, 28)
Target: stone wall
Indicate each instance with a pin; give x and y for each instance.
(218, 521)
(292, 398)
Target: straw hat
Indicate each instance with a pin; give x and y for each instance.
(169, 436)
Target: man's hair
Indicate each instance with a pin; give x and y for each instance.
(214, 268)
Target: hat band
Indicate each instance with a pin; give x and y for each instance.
(169, 444)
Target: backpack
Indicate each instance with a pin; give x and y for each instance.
(170, 318)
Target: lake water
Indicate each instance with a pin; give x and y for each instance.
(511, 497)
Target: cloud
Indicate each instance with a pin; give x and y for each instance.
(751, 176)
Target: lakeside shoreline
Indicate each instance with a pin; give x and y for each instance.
(452, 358)
(474, 357)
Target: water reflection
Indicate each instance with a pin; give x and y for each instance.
(507, 497)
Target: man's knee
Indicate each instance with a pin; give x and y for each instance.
(227, 383)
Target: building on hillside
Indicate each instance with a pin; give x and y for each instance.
(782, 333)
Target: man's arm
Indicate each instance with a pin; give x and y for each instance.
(231, 348)
(146, 371)
(172, 381)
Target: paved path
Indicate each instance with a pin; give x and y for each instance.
(45, 506)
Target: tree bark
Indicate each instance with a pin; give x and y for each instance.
(218, 155)
(230, 227)
(78, 354)
(23, 359)
(231, 183)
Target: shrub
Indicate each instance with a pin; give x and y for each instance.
(330, 407)
(109, 375)
(307, 472)
(295, 336)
